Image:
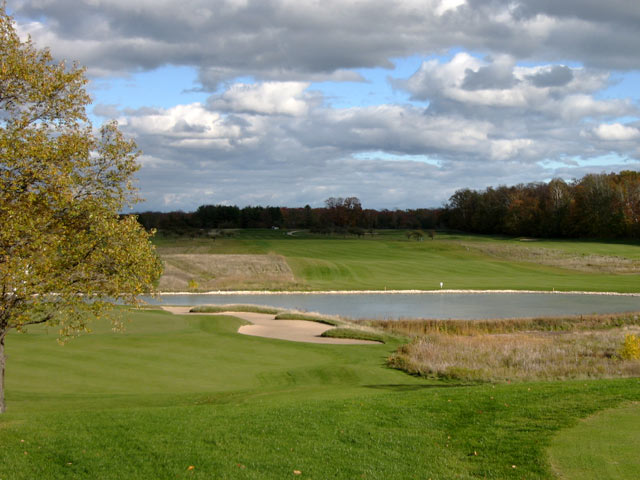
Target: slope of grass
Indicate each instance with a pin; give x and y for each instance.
(233, 308)
(188, 397)
(389, 261)
(355, 333)
(601, 447)
(333, 321)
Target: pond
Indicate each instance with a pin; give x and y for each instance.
(424, 305)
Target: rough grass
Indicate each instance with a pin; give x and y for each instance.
(585, 262)
(519, 356)
(234, 308)
(356, 334)
(207, 272)
(506, 325)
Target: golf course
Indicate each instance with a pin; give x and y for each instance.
(387, 259)
(185, 395)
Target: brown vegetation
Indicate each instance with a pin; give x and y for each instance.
(559, 258)
(224, 272)
(518, 356)
(414, 328)
(516, 349)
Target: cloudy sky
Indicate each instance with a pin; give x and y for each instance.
(397, 102)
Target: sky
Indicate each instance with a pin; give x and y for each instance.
(397, 102)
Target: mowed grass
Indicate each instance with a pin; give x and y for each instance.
(188, 397)
(604, 446)
(388, 260)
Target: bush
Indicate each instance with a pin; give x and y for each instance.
(630, 348)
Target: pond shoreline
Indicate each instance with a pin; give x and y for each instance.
(395, 292)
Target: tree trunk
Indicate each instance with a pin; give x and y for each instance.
(2, 362)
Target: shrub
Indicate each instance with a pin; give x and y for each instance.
(630, 348)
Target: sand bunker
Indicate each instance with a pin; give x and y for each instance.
(265, 325)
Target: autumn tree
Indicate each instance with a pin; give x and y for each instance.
(65, 251)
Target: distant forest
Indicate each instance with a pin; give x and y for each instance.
(596, 206)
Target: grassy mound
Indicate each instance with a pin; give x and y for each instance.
(355, 334)
(309, 317)
(234, 308)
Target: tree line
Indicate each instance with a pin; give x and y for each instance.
(338, 215)
(595, 206)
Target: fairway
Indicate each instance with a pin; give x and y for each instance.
(601, 447)
(189, 397)
(388, 260)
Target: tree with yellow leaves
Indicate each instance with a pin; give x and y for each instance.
(66, 252)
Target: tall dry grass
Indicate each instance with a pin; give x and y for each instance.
(518, 356)
(206, 272)
(545, 348)
(507, 325)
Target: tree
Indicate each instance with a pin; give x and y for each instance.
(65, 251)
(417, 234)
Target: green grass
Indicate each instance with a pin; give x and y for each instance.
(180, 391)
(356, 334)
(388, 260)
(604, 446)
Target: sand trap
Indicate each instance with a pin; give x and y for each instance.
(265, 325)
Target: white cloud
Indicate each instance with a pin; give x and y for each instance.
(506, 149)
(273, 98)
(617, 131)
(496, 89)
(306, 40)
(445, 6)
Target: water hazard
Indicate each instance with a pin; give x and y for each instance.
(424, 305)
